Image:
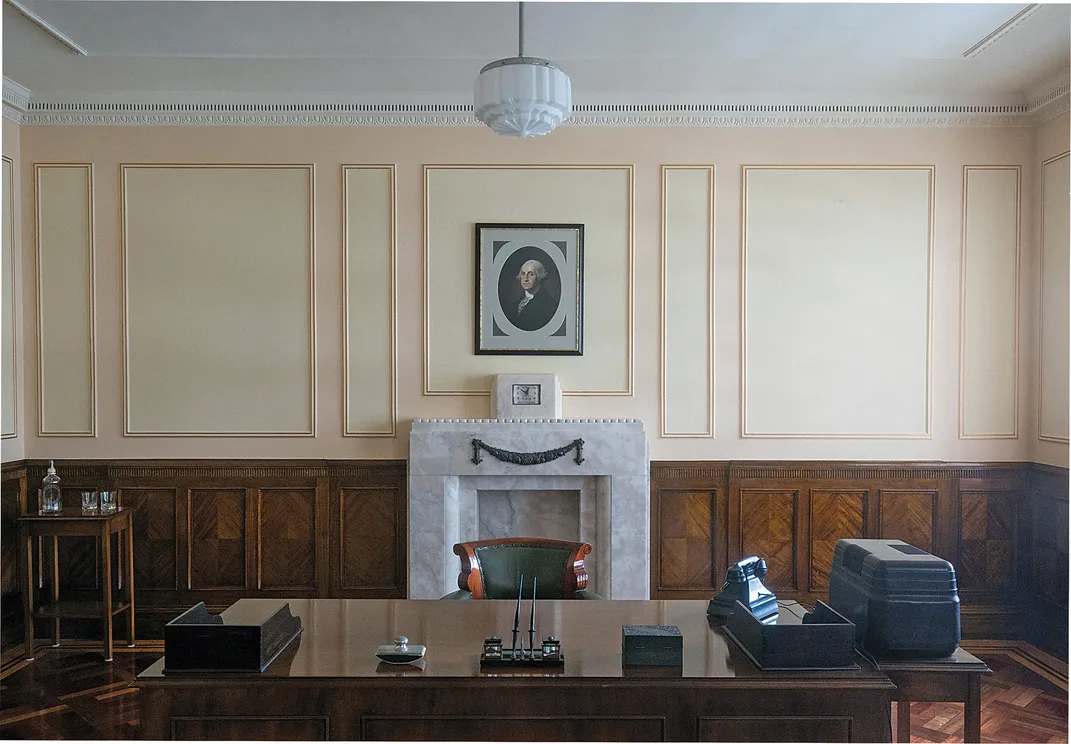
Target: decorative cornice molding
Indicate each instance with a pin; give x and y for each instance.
(16, 100)
(668, 115)
(1002, 30)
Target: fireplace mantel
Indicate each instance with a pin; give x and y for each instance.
(444, 481)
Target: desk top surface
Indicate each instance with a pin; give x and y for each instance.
(339, 639)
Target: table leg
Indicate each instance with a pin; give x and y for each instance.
(130, 577)
(972, 710)
(107, 582)
(55, 589)
(25, 556)
(903, 721)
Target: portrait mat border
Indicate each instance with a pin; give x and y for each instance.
(490, 265)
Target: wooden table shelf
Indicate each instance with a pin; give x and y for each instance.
(108, 602)
(73, 608)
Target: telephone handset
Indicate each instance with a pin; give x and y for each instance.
(743, 583)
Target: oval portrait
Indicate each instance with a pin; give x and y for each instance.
(529, 288)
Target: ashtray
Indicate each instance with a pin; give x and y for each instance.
(400, 652)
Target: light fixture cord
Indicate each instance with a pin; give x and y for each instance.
(520, 30)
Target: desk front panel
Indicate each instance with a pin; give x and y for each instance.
(332, 673)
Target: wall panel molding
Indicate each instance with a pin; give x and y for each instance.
(686, 400)
(66, 300)
(203, 230)
(849, 249)
(369, 259)
(989, 302)
(1054, 327)
(9, 377)
(455, 197)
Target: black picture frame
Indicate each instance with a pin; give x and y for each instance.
(542, 312)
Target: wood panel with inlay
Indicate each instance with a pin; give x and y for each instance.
(1050, 524)
(988, 528)
(685, 541)
(370, 534)
(155, 516)
(835, 515)
(767, 529)
(217, 539)
(909, 516)
(286, 539)
(10, 505)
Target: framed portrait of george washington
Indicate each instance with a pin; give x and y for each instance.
(529, 289)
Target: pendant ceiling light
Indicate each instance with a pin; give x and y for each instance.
(522, 96)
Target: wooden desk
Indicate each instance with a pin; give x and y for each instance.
(329, 684)
(954, 679)
(67, 524)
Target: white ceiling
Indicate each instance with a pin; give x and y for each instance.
(430, 52)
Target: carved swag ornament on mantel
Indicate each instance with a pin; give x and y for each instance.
(526, 458)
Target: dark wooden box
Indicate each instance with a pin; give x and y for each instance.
(246, 640)
(823, 639)
(651, 645)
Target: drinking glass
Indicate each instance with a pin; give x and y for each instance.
(108, 503)
(90, 504)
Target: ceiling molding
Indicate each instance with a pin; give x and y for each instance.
(16, 95)
(48, 28)
(700, 115)
(1001, 31)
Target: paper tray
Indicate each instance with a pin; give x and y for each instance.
(198, 642)
(823, 641)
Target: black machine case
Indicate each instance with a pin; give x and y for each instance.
(902, 600)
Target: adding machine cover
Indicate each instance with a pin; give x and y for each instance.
(902, 600)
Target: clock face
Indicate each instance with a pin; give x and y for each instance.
(526, 395)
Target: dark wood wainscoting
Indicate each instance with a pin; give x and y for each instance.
(1002, 525)
(220, 530)
(216, 531)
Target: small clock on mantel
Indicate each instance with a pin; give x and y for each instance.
(526, 396)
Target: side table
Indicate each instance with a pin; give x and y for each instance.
(75, 524)
(953, 679)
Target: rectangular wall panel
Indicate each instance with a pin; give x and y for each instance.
(1055, 326)
(768, 530)
(456, 197)
(686, 539)
(988, 527)
(65, 299)
(368, 537)
(835, 515)
(155, 538)
(989, 310)
(219, 311)
(286, 539)
(369, 305)
(8, 314)
(909, 516)
(687, 301)
(216, 542)
(837, 271)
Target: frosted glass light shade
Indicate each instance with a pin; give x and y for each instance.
(522, 96)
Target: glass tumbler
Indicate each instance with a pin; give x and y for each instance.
(90, 503)
(108, 503)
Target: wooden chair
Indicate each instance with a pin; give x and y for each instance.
(491, 569)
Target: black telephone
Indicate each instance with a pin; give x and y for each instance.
(743, 583)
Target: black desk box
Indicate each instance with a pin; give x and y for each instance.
(241, 639)
(652, 645)
(902, 600)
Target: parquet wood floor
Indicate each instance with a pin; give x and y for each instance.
(71, 693)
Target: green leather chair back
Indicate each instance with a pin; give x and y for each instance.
(501, 567)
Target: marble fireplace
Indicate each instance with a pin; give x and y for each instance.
(604, 500)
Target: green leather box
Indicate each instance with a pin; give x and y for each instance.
(651, 645)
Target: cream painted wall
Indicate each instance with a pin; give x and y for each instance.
(14, 447)
(409, 149)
